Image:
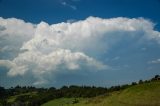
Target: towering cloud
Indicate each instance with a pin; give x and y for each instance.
(44, 50)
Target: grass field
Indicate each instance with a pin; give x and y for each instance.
(61, 102)
(13, 98)
(147, 94)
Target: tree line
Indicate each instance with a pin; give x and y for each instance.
(32, 96)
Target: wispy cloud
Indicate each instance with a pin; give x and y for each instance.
(116, 58)
(69, 5)
(154, 61)
(75, 0)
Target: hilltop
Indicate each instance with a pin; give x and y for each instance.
(142, 93)
(146, 94)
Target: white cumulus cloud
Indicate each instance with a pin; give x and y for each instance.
(43, 50)
(15, 32)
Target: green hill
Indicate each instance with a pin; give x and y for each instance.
(147, 94)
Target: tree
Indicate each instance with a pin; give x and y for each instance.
(140, 82)
(134, 83)
(75, 101)
(2, 92)
(156, 77)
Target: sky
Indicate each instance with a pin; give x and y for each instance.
(46, 43)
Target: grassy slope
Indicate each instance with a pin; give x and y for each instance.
(140, 95)
(13, 98)
(61, 102)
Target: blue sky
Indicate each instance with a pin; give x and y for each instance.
(83, 42)
(53, 11)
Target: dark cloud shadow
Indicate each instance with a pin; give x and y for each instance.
(2, 28)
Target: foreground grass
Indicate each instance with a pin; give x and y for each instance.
(61, 102)
(147, 94)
